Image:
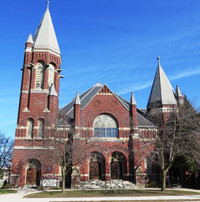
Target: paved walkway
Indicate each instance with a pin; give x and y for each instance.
(18, 197)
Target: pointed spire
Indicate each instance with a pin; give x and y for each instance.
(77, 99)
(162, 92)
(132, 101)
(45, 36)
(30, 39)
(158, 58)
(53, 91)
(178, 92)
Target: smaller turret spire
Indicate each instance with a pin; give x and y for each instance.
(178, 95)
(53, 91)
(30, 39)
(77, 99)
(178, 92)
(132, 101)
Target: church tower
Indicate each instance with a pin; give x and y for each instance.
(39, 93)
(40, 80)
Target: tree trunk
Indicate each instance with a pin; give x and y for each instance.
(63, 181)
(163, 186)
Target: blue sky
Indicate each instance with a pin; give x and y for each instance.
(115, 42)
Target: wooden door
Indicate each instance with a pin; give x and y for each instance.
(31, 176)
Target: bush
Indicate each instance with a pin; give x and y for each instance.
(152, 184)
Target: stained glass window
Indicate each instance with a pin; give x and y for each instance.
(105, 126)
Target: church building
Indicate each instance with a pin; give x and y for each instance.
(114, 129)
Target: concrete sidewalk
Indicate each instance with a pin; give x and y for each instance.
(18, 197)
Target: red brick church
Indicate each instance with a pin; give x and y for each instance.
(99, 115)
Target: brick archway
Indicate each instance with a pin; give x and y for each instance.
(33, 172)
(96, 166)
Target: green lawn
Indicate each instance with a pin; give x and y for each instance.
(7, 191)
(102, 193)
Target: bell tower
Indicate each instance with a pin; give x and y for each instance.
(41, 76)
(38, 105)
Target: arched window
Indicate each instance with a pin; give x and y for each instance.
(105, 126)
(30, 128)
(39, 75)
(51, 75)
(41, 128)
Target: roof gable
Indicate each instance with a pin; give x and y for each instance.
(100, 89)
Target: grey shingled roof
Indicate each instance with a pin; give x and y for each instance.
(45, 36)
(162, 92)
(88, 95)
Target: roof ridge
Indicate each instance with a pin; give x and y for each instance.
(89, 91)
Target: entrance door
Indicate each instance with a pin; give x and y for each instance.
(95, 170)
(116, 170)
(31, 177)
(33, 173)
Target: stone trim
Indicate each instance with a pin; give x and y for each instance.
(84, 175)
(46, 50)
(33, 147)
(14, 175)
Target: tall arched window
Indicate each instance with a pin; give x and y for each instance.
(51, 75)
(30, 128)
(40, 75)
(41, 128)
(105, 126)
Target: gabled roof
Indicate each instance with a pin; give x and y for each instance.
(88, 95)
(85, 98)
(45, 36)
(162, 92)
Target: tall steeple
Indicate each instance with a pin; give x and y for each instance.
(45, 36)
(162, 93)
(41, 72)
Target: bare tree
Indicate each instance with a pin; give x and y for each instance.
(6, 152)
(68, 150)
(178, 135)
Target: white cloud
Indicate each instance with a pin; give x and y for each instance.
(137, 87)
(185, 74)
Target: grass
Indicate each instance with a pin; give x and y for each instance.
(7, 191)
(107, 193)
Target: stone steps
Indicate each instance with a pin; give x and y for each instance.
(113, 184)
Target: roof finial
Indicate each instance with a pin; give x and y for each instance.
(158, 58)
(47, 4)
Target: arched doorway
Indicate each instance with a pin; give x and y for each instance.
(118, 165)
(33, 172)
(97, 166)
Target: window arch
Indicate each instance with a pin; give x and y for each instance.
(51, 75)
(41, 128)
(30, 128)
(40, 75)
(105, 125)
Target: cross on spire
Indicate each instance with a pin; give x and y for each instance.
(47, 4)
